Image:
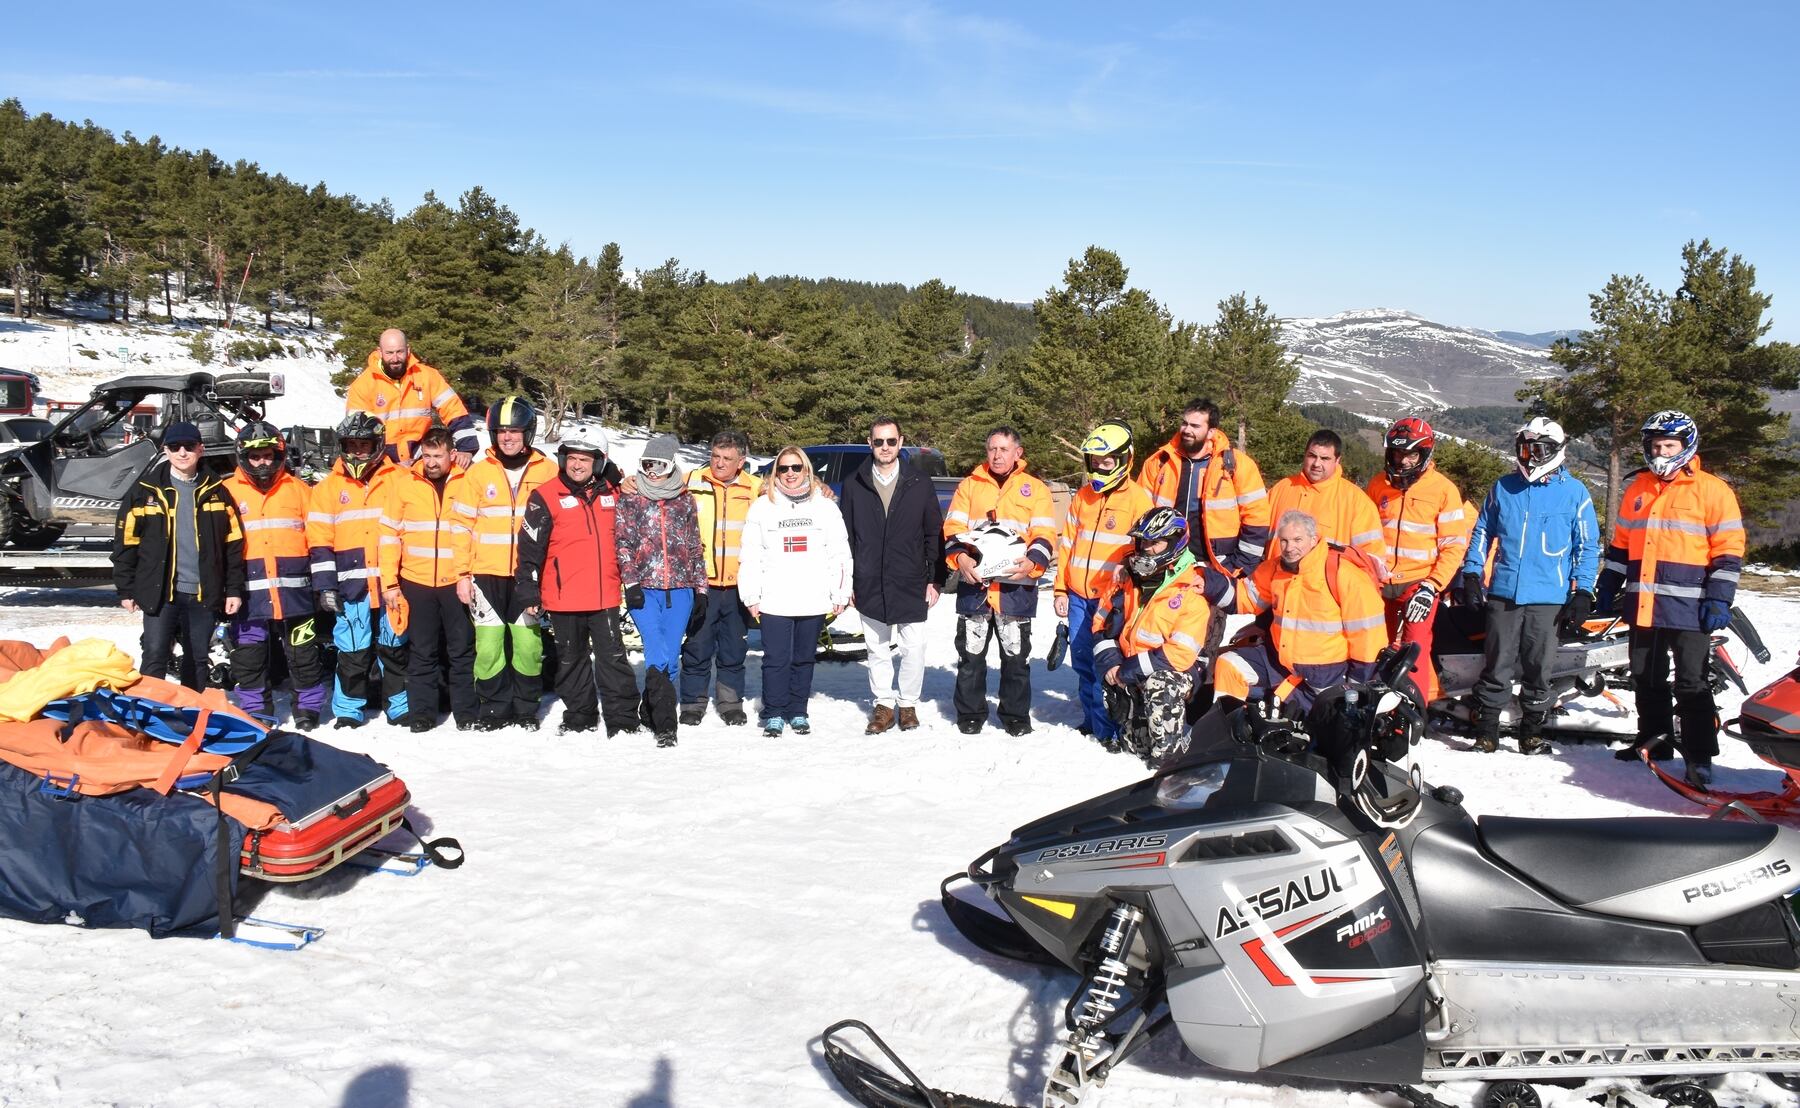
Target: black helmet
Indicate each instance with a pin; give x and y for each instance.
(261, 435)
(1156, 525)
(511, 413)
(361, 425)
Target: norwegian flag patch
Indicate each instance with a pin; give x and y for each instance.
(793, 544)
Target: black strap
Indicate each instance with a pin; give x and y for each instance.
(436, 847)
(228, 860)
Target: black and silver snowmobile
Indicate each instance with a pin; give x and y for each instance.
(1290, 902)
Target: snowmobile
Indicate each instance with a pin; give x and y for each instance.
(1769, 723)
(1594, 663)
(1291, 902)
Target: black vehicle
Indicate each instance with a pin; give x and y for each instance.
(81, 471)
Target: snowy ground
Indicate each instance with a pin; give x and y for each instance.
(644, 927)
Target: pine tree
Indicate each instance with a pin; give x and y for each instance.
(559, 356)
(1247, 370)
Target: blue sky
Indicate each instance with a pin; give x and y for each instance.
(1487, 165)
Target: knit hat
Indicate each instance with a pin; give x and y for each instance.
(660, 448)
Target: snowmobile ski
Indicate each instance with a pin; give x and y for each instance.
(875, 1087)
(991, 932)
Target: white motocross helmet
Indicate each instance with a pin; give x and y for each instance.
(583, 440)
(1539, 448)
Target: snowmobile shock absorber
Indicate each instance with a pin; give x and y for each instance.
(1087, 1053)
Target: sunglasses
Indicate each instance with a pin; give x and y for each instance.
(791, 467)
(895, 441)
(182, 447)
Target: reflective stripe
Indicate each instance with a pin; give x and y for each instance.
(958, 516)
(1184, 639)
(1366, 536)
(320, 517)
(323, 567)
(1091, 563)
(1147, 637)
(1416, 555)
(444, 397)
(1322, 625)
(1043, 521)
(1725, 575)
(1105, 644)
(464, 509)
(1378, 620)
(428, 551)
(1680, 525)
(356, 515)
(1221, 504)
(1616, 567)
(1451, 516)
(362, 574)
(1256, 600)
(1144, 664)
(275, 524)
(1449, 541)
(497, 540)
(1418, 528)
(1725, 525)
(268, 583)
(502, 510)
(408, 413)
(1253, 549)
(1691, 592)
(1253, 496)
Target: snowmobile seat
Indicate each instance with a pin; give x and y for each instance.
(1585, 861)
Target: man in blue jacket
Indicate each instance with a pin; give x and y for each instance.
(1545, 561)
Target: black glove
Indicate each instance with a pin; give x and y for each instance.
(634, 597)
(331, 601)
(1058, 647)
(698, 615)
(1473, 593)
(1576, 610)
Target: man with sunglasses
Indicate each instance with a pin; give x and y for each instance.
(1545, 563)
(178, 554)
(895, 528)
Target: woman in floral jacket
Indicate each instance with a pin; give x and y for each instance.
(663, 574)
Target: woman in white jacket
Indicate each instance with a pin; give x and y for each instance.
(793, 570)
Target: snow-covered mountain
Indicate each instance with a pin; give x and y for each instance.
(1385, 362)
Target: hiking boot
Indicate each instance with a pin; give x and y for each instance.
(1661, 750)
(733, 717)
(665, 739)
(471, 725)
(692, 714)
(1700, 774)
(575, 726)
(346, 723)
(1531, 733)
(305, 721)
(880, 719)
(1487, 731)
(420, 724)
(1534, 744)
(1017, 727)
(971, 725)
(528, 720)
(801, 725)
(773, 727)
(909, 718)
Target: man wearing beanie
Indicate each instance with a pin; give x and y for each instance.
(178, 554)
(663, 571)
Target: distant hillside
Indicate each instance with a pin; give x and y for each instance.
(1538, 338)
(1384, 362)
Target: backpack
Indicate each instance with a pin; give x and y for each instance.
(1357, 557)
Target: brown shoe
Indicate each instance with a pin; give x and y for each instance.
(880, 720)
(909, 718)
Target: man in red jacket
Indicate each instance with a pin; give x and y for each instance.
(569, 567)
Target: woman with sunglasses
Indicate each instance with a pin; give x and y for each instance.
(794, 570)
(663, 571)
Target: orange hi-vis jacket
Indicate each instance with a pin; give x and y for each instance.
(423, 537)
(493, 510)
(277, 575)
(1096, 537)
(1166, 631)
(1234, 503)
(720, 510)
(1345, 514)
(1319, 636)
(405, 406)
(1675, 543)
(1426, 526)
(343, 529)
(1023, 503)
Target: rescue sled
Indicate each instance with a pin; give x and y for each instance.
(1593, 666)
(1769, 724)
(128, 801)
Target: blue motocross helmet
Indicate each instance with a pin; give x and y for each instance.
(1152, 527)
(1670, 425)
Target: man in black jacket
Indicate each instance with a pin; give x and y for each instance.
(178, 554)
(896, 531)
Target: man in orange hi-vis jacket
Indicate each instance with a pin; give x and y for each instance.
(1426, 526)
(404, 393)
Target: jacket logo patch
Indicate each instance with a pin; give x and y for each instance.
(381, 401)
(606, 502)
(243, 507)
(1638, 504)
(1175, 601)
(567, 502)
(793, 544)
(344, 497)
(1112, 522)
(492, 492)
(1025, 489)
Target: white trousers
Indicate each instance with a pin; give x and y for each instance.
(907, 641)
